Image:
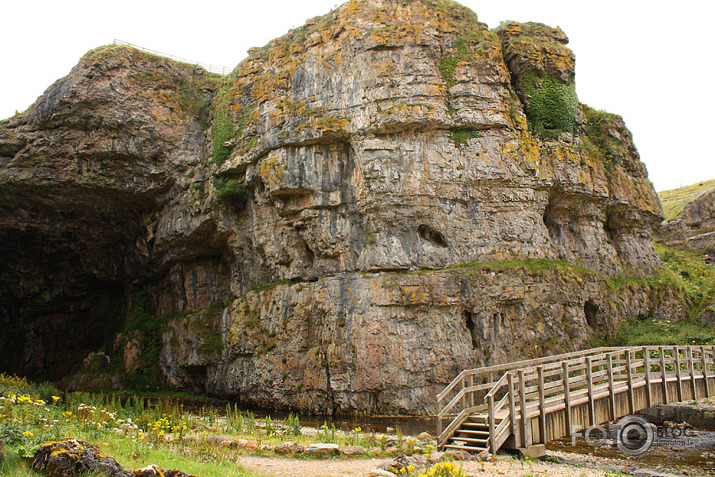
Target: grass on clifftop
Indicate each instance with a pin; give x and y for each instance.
(674, 200)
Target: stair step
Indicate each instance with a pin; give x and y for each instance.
(465, 448)
(472, 424)
(475, 427)
(473, 440)
(472, 432)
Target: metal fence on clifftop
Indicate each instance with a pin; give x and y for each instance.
(219, 70)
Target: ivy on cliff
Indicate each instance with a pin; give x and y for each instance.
(551, 105)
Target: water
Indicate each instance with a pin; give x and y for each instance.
(693, 454)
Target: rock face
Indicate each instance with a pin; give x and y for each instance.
(363, 208)
(694, 229)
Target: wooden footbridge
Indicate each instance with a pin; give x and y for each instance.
(523, 405)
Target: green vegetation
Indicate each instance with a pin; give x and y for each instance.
(552, 105)
(687, 278)
(231, 192)
(221, 129)
(674, 200)
(535, 266)
(448, 64)
(599, 142)
(146, 329)
(463, 135)
(651, 332)
(138, 431)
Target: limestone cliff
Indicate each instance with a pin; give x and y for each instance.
(365, 206)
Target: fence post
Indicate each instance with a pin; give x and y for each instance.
(567, 395)
(629, 372)
(492, 436)
(676, 350)
(589, 377)
(611, 386)
(705, 370)
(692, 372)
(646, 365)
(525, 435)
(512, 408)
(542, 404)
(663, 375)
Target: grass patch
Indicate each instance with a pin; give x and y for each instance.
(685, 276)
(138, 431)
(463, 135)
(599, 142)
(652, 332)
(675, 200)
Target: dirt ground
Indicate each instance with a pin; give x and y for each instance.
(363, 467)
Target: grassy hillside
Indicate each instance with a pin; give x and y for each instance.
(675, 199)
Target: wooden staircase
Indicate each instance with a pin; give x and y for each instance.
(472, 435)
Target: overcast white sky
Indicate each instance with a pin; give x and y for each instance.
(649, 61)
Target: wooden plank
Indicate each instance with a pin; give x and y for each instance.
(705, 370)
(591, 405)
(492, 435)
(646, 370)
(663, 375)
(567, 396)
(678, 376)
(525, 438)
(611, 387)
(542, 405)
(691, 363)
(512, 406)
(629, 370)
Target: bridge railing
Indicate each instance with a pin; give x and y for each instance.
(529, 389)
(470, 387)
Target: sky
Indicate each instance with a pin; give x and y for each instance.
(648, 61)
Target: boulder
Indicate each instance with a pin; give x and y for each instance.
(353, 450)
(73, 458)
(322, 449)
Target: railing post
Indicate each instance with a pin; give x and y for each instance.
(471, 399)
(629, 371)
(692, 372)
(567, 395)
(705, 370)
(591, 405)
(492, 436)
(512, 408)
(542, 404)
(525, 435)
(678, 376)
(463, 399)
(646, 365)
(663, 375)
(611, 386)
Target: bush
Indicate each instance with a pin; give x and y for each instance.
(551, 105)
(230, 192)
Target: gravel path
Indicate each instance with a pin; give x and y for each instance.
(362, 468)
